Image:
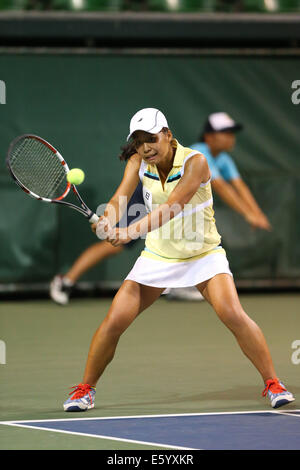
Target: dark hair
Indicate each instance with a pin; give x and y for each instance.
(129, 149)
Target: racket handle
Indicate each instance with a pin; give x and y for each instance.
(93, 219)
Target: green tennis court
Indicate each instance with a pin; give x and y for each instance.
(176, 358)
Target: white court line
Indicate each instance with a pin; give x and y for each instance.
(213, 413)
(132, 441)
(97, 436)
(289, 413)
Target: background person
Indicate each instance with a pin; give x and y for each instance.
(61, 286)
(216, 139)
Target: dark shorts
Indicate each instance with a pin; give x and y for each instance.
(135, 210)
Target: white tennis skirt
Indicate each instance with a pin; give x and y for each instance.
(159, 273)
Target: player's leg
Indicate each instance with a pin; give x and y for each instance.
(61, 286)
(220, 292)
(131, 299)
(93, 255)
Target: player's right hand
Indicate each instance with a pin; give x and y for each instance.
(103, 228)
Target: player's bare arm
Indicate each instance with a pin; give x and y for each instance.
(196, 172)
(246, 195)
(230, 196)
(117, 205)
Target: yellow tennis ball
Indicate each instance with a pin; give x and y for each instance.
(75, 176)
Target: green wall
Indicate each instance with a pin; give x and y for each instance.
(82, 104)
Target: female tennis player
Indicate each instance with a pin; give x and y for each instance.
(182, 249)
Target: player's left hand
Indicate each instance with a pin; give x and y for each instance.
(119, 236)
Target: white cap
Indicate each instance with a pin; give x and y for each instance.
(149, 120)
(218, 122)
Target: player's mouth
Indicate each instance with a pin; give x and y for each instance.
(150, 158)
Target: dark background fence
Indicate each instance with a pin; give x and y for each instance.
(76, 79)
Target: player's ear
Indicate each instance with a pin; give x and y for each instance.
(170, 135)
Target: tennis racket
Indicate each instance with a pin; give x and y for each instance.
(40, 170)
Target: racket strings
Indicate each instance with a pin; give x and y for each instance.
(38, 169)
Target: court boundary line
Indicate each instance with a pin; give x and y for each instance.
(132, 441)
(97, 436)
(288, 413)
(171, 415)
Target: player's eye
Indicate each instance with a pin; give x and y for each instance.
(152, 139)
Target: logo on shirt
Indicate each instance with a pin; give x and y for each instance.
(147, 199)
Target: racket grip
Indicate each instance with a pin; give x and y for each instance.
(93, 219)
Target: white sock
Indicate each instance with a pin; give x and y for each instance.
(67, 281)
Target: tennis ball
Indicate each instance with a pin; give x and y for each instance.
(75, 176)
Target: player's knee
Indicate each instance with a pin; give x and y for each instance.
(116, 324)
(233, 316)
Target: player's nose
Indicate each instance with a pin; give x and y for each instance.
(146, 147)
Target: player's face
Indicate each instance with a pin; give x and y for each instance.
(223, 141)
(153, 148)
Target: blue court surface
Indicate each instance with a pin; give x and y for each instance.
(253, 430)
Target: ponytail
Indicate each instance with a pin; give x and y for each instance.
(127, 151)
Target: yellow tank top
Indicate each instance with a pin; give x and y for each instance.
(192, 233)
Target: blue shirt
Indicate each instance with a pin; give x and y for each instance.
(221, 166)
